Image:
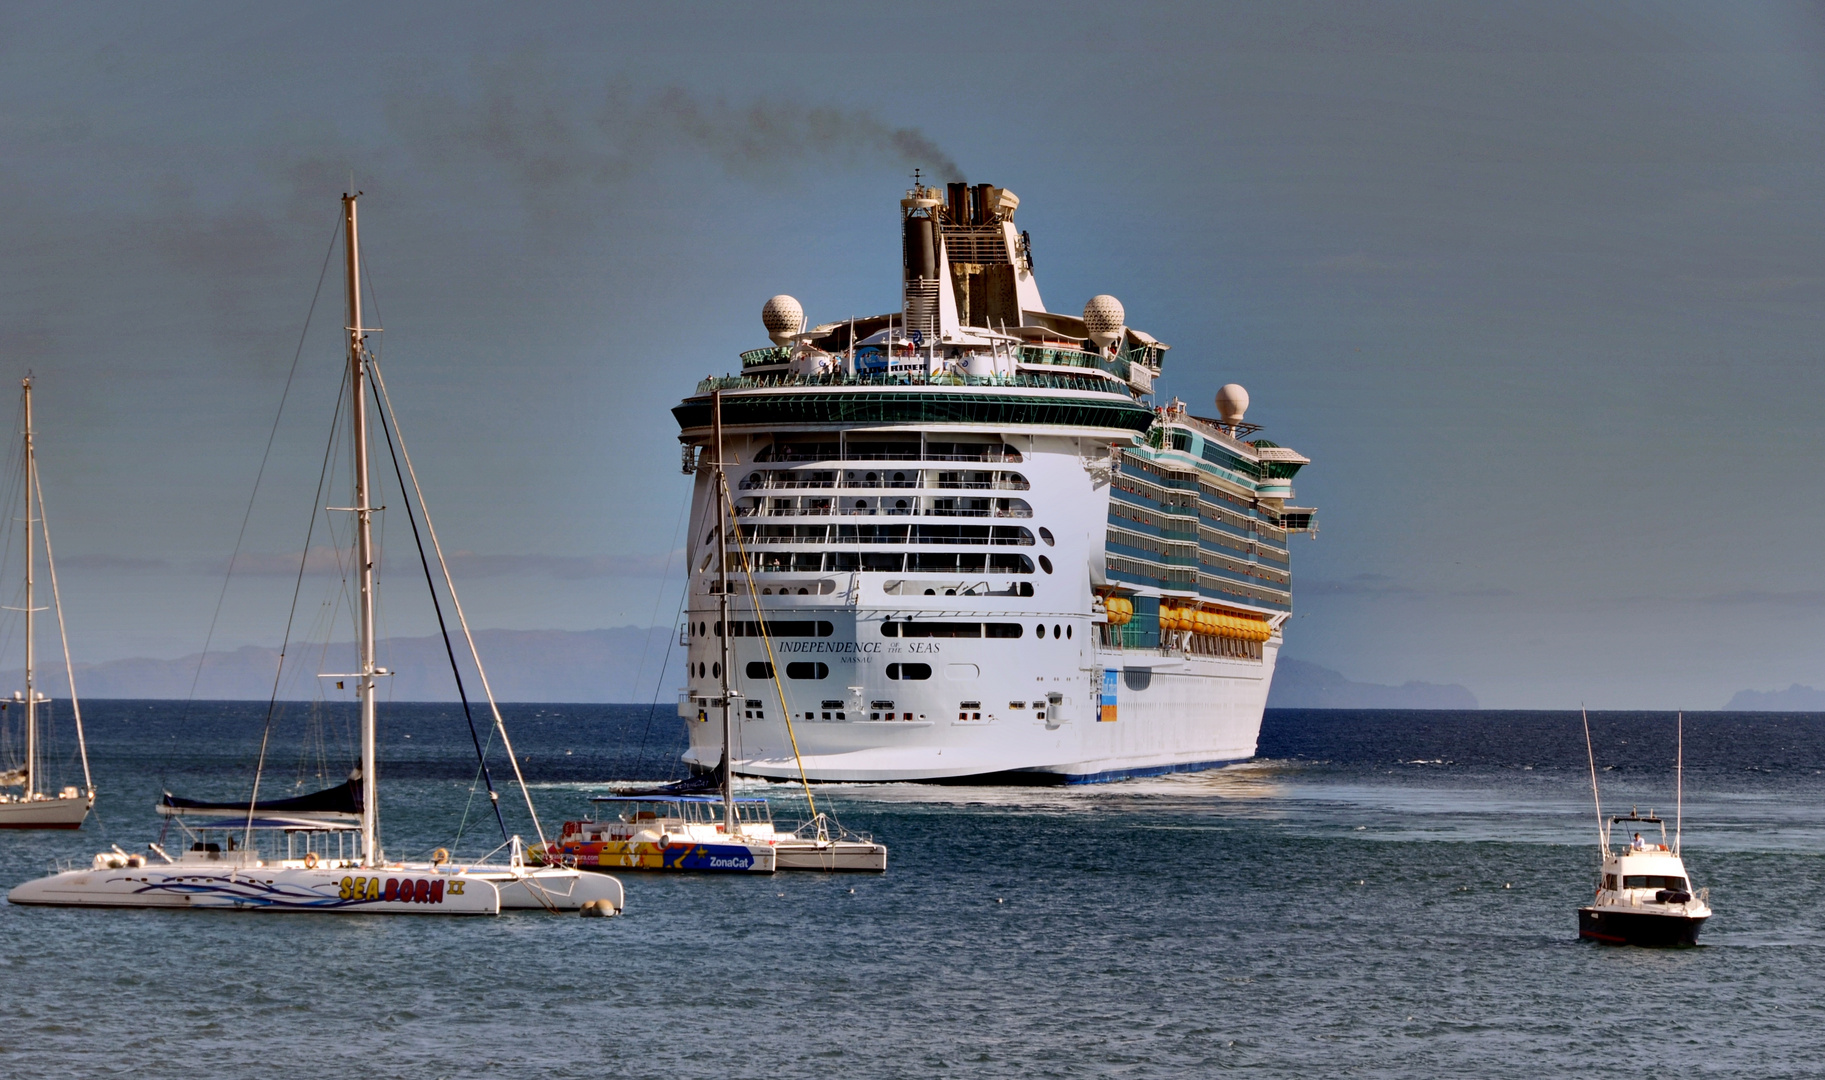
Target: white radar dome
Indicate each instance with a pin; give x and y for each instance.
(1103, 317)
(1232, 403)
(783, 318)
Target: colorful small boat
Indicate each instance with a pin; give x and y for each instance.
(666, 832)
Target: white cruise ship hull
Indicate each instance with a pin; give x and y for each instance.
(1170, 714)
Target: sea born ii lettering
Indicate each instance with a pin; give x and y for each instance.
(420, 891)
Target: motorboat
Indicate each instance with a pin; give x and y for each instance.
(1644, 895)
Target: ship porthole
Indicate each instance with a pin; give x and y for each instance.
(1045, 564)
(1040, 629)
(1046, 535)
(1055, 630)
(1067, 633)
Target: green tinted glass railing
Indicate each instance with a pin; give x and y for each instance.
(773, 354)
(1038, 379)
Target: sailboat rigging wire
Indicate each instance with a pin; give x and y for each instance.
(271, 436)
(310, 529)
(1679, 766)
(44, 522)
(1603, 836)
(457, 603)
(652, 709)
(779, 688)
(443, 628)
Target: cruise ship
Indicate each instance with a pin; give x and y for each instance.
(980, 550)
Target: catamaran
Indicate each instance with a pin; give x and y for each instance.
(33, 808)
(322, 853)
(681, 830)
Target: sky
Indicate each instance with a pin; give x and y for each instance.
(1537, 287)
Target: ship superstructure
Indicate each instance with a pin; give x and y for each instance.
(979, 550)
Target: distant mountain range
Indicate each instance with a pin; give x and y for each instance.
(1795, 698)
(618, 665)
(1301, 685)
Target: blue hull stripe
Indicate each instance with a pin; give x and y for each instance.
(1151, 770)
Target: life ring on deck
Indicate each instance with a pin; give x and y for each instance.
(310, 860)
(440, 856)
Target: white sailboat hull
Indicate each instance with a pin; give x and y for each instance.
(46, 813)
(390, 890)
(834, 856)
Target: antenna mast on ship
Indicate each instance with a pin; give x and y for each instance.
(364, 549)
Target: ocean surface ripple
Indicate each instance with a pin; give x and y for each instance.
(1379, 894)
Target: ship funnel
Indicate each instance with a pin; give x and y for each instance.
(919, 293)
(1232, 403)
(783, 318)
(1103, 317)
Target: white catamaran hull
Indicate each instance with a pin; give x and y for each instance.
(392, 890)
(45, 813)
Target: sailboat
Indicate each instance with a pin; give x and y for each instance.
(679, 830)
(323, 853)
(32, 808)
(1644, 896)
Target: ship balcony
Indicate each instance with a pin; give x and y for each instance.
(897, 480)
(856, 451)
(884, 507)
(844, 535)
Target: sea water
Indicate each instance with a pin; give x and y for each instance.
(1380, 894)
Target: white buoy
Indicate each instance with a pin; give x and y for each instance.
(783, 318)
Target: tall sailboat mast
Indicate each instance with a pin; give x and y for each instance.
(364, 545)
(31, 654)
(729, 825)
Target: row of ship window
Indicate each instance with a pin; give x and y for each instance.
(909, 628)
(1242, 518)
(901, 478)
(884, 507)
(812, 670)
(965, 562)
(787, 448)
(1002, 535)
(837, 710)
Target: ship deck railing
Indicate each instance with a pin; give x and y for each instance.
(1020, 380)
(946, 541)
(821, 511)
(1009, 456)
(753, 484)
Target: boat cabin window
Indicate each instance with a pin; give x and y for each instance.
(1654, 881)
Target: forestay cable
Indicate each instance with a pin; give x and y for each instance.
(456, 602)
